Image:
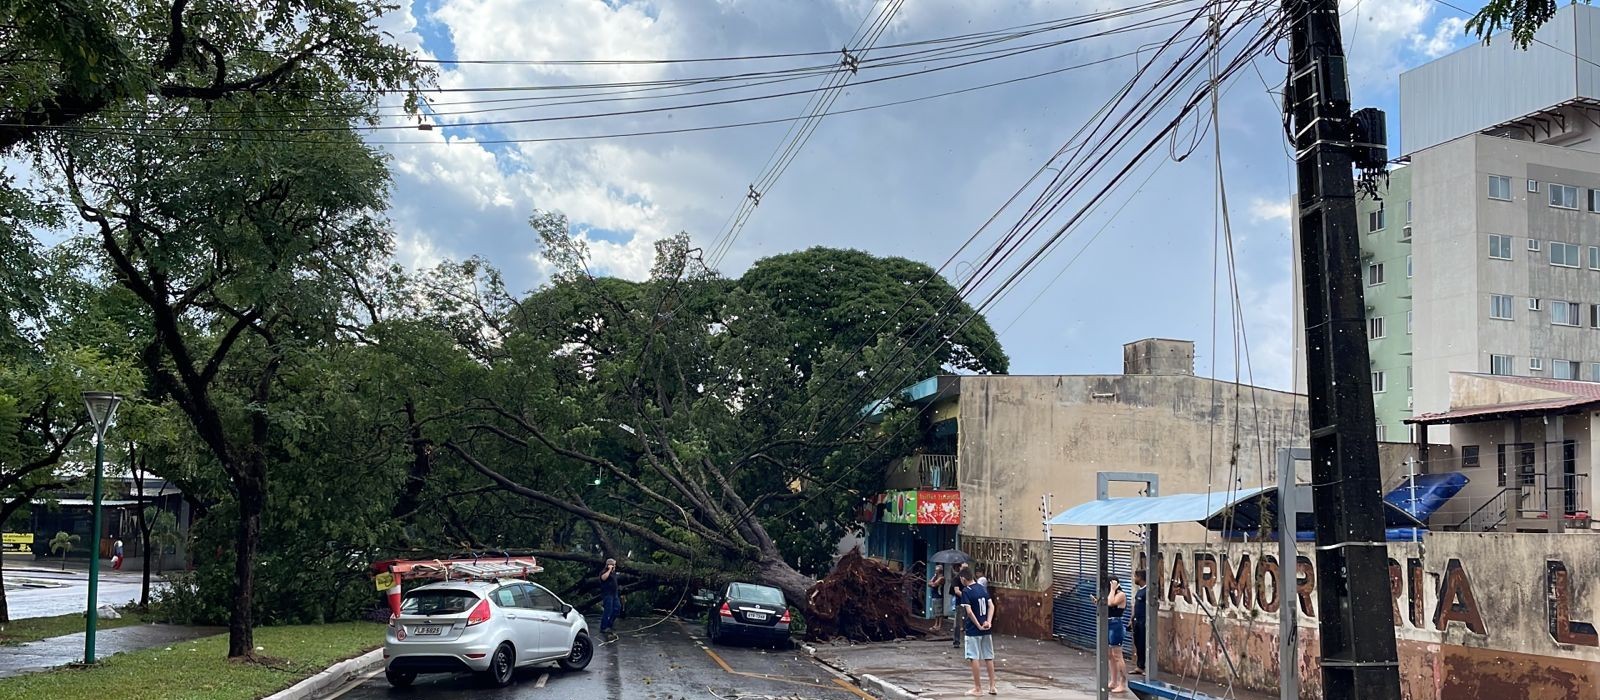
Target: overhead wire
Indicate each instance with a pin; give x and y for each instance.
(1253, 46)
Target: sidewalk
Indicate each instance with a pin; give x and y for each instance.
(60, 651)
(1028, 669)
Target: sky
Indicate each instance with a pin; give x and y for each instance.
(914, 180)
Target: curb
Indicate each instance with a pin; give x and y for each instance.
(868, 681)
(329, 678)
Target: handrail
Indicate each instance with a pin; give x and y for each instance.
(1500, 498)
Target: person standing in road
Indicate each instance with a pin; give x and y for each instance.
(936, 597)
(610, 599)
(1138, 621)
(116, 556)
(978, 611)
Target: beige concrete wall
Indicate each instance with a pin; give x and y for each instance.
(1475, 615)
(1023, 438)
(1484, 483)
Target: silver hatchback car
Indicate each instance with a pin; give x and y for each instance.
(487, 627)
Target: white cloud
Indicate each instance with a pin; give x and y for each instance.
(1262, 209)
(1447, 34)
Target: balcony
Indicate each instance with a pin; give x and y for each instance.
(1533, 502)
(924, 472)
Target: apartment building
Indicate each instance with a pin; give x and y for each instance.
(1481, 253)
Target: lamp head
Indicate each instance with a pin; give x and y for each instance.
(102, 407)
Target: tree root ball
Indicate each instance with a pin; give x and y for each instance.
(862, 600)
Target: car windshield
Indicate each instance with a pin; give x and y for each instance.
(755, 594)
(438, 601)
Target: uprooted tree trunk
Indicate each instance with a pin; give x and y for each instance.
(861, 600)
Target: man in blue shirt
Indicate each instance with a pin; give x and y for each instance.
(978, 609)
(1138, 622)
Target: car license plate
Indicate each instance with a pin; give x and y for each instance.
(756, 615)
(427, 630)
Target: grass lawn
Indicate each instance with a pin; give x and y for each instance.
(199, 669)
(20, 631)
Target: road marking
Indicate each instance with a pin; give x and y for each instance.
(847, 685)
(542, 678)
(762, 676)
(719, 660)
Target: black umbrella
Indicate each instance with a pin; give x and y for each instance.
(950, 556)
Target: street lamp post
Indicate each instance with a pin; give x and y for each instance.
(102, 409)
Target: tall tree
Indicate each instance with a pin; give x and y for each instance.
(64, 61)
(693, 417)
(1521, 17)
(235, 247)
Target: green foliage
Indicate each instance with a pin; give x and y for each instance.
(1521, 17)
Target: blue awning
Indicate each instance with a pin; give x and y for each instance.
(1143, 510)
(1244, 510)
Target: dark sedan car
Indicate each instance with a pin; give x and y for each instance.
(749, 611)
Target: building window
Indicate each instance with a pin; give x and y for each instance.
(1408, 211)
(1469, 456)
(1523, 454)
(1533, 244)
(1565, 369)
(1382, 432)
(1408, 377)
(1564, 254)
(1499, 246)
(1534, 304)
(1379, 385)
(1594, 315)
(1533, 185)
(1374, 274)
(1594, 200)
(1500, 306)
(1594, 257)
(1594, 371)
(1375, 219)
(1563, 196)
(1500, 364)
(1564, 313)
(1409, 271)
(1375, 328)
(1500, 187)
(1535, 364)
(1408, 323)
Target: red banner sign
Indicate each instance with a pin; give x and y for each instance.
(938, 507)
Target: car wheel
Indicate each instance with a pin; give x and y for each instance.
(400, 679)
(580, 655)
(713, 632)
(501, 666)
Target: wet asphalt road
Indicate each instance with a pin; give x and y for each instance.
(666, 662)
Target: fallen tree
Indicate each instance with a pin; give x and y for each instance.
(862, 600)
(704, 423)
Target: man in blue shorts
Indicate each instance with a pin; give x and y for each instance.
(978, 610)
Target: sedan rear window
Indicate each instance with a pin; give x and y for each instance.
(438, 601)
(755, 594)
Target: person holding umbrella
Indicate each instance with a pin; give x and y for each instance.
(954, 562)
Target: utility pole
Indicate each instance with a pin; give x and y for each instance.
(1353, 604)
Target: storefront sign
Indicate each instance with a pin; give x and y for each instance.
(939, 508)
(922, 507)
(900, 507)
(1022, 564)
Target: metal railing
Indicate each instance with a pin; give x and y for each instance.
(933, 472)
(1488, 516)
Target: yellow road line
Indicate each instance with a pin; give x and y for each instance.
(719, 661)
(857, 691)
(762, 676)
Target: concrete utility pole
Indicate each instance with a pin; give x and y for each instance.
(1353, 605)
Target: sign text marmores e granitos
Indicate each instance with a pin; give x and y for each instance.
(1020, 564)
(1430, 594)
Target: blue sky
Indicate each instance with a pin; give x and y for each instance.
(914, 180)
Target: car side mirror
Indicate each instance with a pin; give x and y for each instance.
(566, 609)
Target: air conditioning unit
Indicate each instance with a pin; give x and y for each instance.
(1405, 233)
(1535, 364)
(1533, 244)
(1410, 403)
